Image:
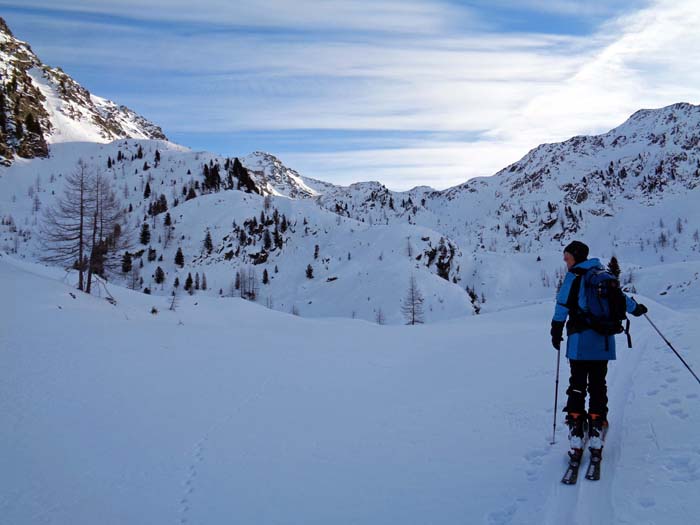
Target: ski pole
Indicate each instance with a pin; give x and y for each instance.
(556, 398)
(674, 350)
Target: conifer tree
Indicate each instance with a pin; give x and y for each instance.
(145, 236)
(147, 191)
(309, 272)
(204, 281)
(208, 244)
(3, 117)
(244, 179)
(126, 262)
(265, 277)
(188, 283)
(179, 258)
(196, 281)
(614, 267)
(159, 276)
(278, 240)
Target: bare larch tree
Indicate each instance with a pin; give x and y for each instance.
(85, 228)
(412, 306)
(63, 225)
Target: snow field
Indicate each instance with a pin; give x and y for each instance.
(225, 410)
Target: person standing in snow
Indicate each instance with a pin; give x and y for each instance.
(587, 350)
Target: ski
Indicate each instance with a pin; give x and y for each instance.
(571, 474)
(593, 472)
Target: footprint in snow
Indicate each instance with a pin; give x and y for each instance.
(535, 456)
(684, 468)
(646, 502)
(502, 517)
(678, 412)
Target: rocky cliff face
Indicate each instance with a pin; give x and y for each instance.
(40, 105)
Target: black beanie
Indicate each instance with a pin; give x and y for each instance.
(578, 250)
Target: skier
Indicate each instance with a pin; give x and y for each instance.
(588, 352)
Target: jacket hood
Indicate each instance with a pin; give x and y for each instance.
(588, 264)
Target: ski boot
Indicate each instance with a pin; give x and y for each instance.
(597, 428)
(577, 431)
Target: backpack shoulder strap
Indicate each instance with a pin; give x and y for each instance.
(572, 300)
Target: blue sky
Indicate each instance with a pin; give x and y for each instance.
(405, 92)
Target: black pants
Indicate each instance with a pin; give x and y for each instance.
(587, 375)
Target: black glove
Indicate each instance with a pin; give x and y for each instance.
(557, 332)
(640, 309)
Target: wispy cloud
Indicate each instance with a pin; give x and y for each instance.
(385, 16)
(403, 67)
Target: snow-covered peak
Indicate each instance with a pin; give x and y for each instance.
(655, 118)
(648, 134)
(53, 108)
(275, 178)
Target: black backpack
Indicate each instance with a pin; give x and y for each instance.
(605, 301)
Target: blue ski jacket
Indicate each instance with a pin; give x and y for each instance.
(584, 344)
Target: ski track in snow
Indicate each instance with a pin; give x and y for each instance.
(591, 502)
(604, 501)
(198, 452)
(587, 501)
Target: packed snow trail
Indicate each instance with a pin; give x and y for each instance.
(225, 411)
(632, 444)
(591, 501)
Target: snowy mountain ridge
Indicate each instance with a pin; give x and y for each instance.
(556, 190)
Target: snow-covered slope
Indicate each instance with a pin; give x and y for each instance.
(358, 269)
(41, 105)
(113, 414)
(630, 192)
(488, 244)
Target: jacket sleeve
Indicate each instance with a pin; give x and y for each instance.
(631, 304)
(561, 310)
